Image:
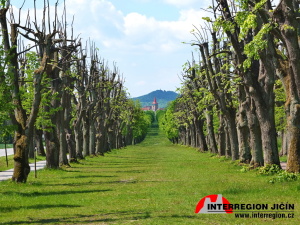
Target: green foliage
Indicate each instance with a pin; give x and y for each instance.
(168, 122)
(258, 43)
(3, 3)
(272, 170)
(280, 98)
(6, 106)
(43, 120)
(159, 116)
(119, 184)
(247, 21)
(136, 119)
(224, 24)
(269, 170)
(284, 176)
(6, 132)
(260, 4)
(162, 97)
(140, 124)
(245, 168)
(27, 90)
(150, 114)
(27, 93)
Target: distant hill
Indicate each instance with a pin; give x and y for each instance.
(162, 97)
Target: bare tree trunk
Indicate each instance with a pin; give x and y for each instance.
(255, 137)
(38, 136)
(129, 135)
(78, 140)
(92, 138)
(260, 87)
(52, 149)
(63, 121)
(85, 136)
(210, 131)
(31, 148)
(63, 159)
(285, 140)
(222, 136)
(243, 129)
(25, 125)
(287, 15)
(264, 101)
(227, 141)
(71, 146)
(232, 134)
(243, 133)
(192, 134)
(201, 137)
(21, 164)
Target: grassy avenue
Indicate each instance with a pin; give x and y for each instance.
(154, 182)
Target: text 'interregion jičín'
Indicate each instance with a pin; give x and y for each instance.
(282, 206)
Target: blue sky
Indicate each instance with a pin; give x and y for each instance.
(143, 37)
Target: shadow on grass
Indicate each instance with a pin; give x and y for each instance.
(152, 134)
(87, 219)
(111, 182)
(117, 217)
(73, 171)
(91, 176)
(130, 171)
(154, 125)
(35, 194)
(39, 206)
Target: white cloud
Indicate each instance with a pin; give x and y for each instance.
(137, 25)
(140, 44)
(103, 23)
(160, 35)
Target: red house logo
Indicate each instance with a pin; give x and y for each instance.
(213, 204)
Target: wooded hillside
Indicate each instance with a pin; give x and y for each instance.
(162, 97)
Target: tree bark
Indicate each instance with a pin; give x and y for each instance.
(243, 129)
(38, 136)
(255, 136)
(201, 137)
(227, 141)
(92, 139)
(25, 125)
(52, 148)
(78, 140)
(85, 135)
(286, 15)
(222, 136)
(210, 131)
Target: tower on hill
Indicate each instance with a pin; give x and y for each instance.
(154, 105)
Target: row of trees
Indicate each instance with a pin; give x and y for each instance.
(246, 81)
(56, 88)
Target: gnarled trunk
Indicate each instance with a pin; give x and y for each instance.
(221, 136)
(212, 146)
(287, 15)
(38, 137)
(21, 164)
(52, 148)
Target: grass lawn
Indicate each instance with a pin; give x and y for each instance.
(3, 165)
(154, 182)
(2, 146)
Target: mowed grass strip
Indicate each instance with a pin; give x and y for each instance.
(154, 182)
(4, 166)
